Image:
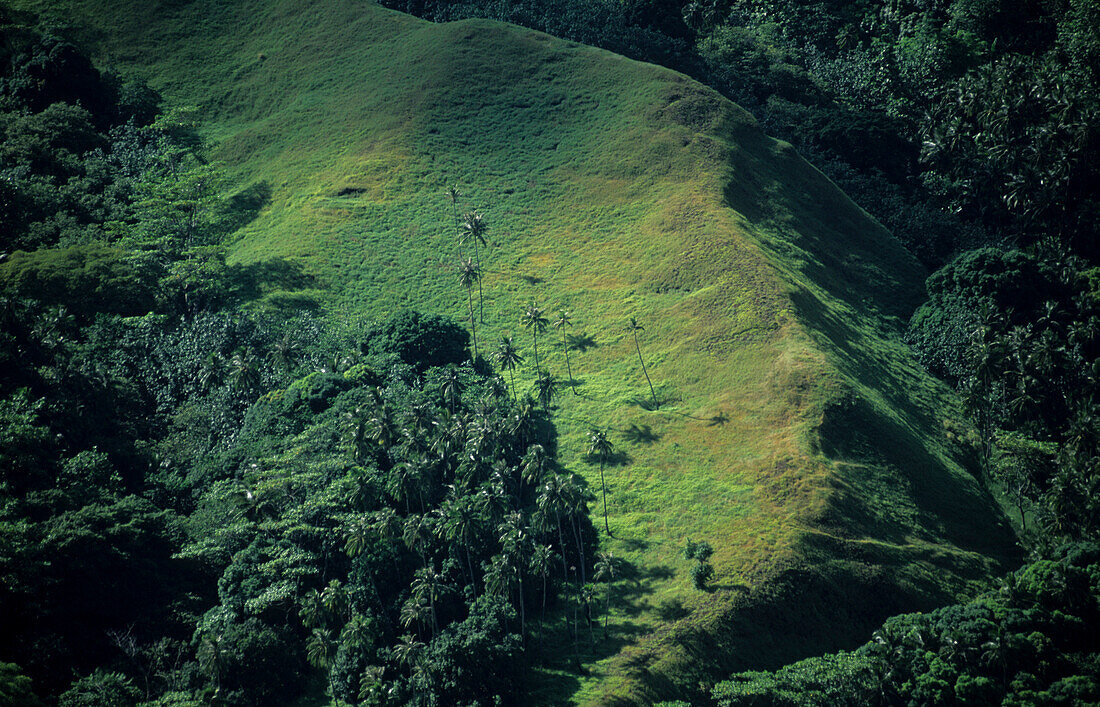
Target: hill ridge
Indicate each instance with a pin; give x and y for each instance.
(613, 188)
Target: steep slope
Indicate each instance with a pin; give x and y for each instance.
(796, 434)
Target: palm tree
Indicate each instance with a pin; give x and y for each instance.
(508, 357)
(562, 322)
(634, 327)
(546, 387)
(539, 564)
(533, 320)
(534, 464)
(244, 370)
(551, 503)
(475, 228)
(357, 537)
(453, 194)
(451, 387)
(320, 648)
(284, 353)
(429, 585)
(602, 448)
(605, 570)
(461, 523)
(408, 651)
(211, 655)
(468, 274)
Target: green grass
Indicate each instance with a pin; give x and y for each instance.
(797, 433)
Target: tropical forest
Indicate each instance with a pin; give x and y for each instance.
(549, 352)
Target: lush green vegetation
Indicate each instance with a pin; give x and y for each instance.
(200, 503)
(260, 442)
(1030, 641)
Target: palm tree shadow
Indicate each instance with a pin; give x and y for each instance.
(616, 458)
(532, 279)
(647, 403)
(719, 420)
(581, 342)
(672, 610)
(641, 435)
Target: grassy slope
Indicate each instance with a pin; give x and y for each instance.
(613, 189)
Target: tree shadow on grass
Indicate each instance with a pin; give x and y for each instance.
(244, 206)
(616, 458)
(719, 420)
(580, 342)
(671, 610)
(253, 279)
(643, 434)
(663, 401)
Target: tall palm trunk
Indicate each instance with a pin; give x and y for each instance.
(568, 367)
(580, 551)
(473, 326)
(640, 360)
(458, 226)
(535, 334)
(480, 294)
(542, 620)
(470, 566)
(603, 487)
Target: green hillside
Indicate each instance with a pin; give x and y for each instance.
(796, 433)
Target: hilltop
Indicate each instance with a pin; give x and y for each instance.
(796, 433)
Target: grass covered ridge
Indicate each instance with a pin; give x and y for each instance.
(796, 434)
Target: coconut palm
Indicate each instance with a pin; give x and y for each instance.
(552, 503)
(563, 322)
(634, 327)
(451, 388)
(320, 648)
(606, 570)
(284, 353)
(601, 447)
(475, 228)
(462, 523)
(429, 585)
(244, 370)
(533, 320)
(508, 357)
(468, 274)
(408, 651)
(534, 464)
(453, 193)
(546, 387)
(539, 564)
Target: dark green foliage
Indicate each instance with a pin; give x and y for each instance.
(101, 689)
(421, 340)
(474, 658)
(15, 688)
(1028, 642)
(88, 279)
(702, 572)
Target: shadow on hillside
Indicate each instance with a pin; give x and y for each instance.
(243, 207)
(663, 400)
(616, 458)
(581, 342)
(887, 458)
(643, 434)
(719, 420)
(254, 279)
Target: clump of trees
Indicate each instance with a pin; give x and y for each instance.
(1028, 641)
